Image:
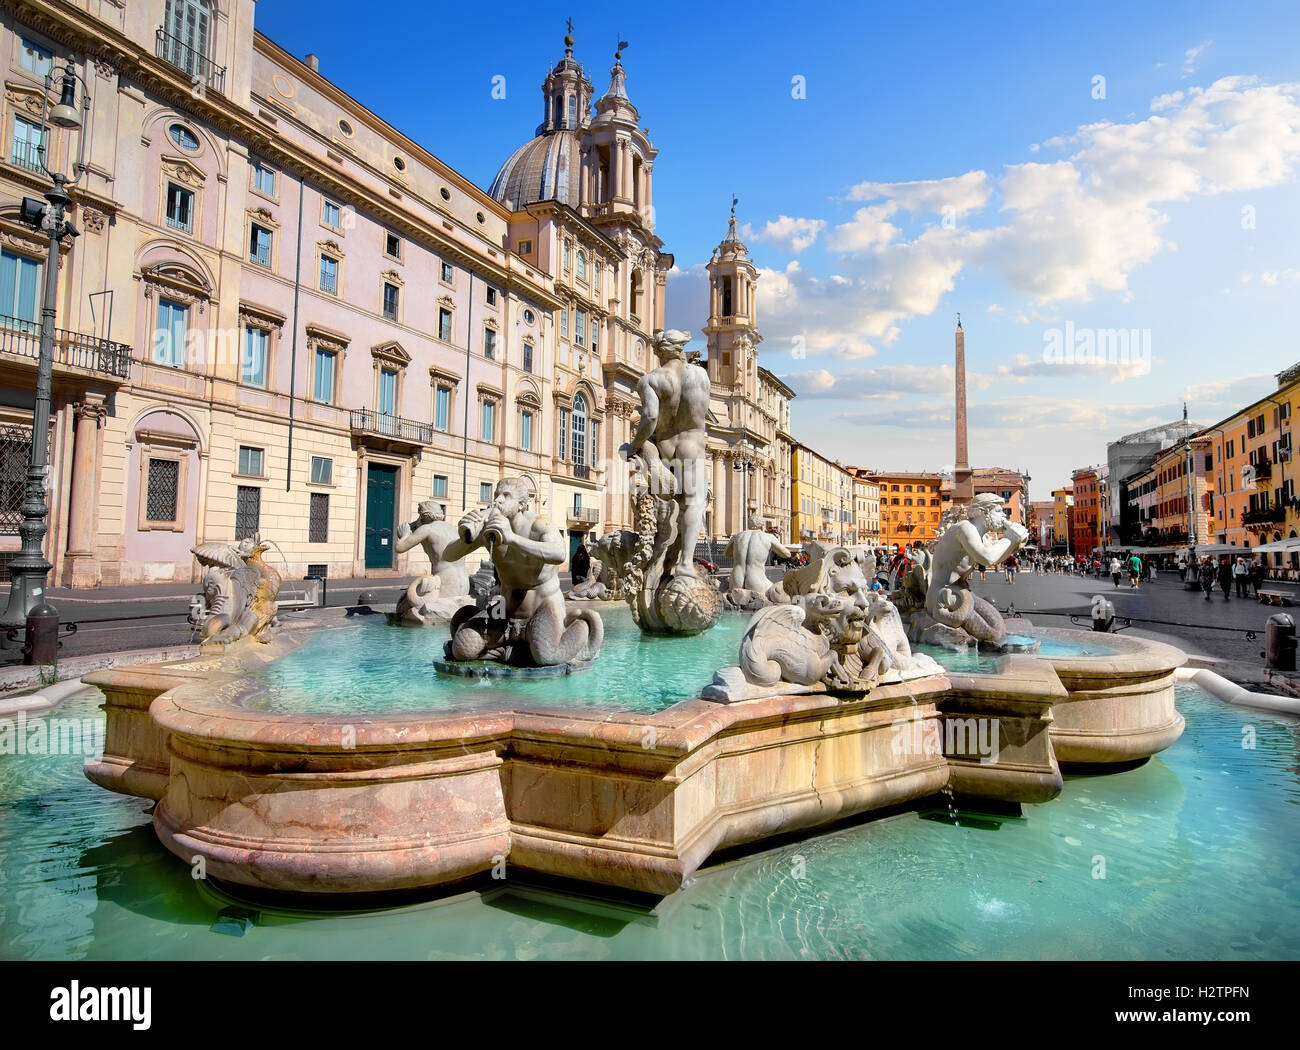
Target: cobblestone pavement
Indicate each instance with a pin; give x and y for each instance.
(1210, 628)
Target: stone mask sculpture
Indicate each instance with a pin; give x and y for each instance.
(834, 634)
(526, 624)
(239, 592)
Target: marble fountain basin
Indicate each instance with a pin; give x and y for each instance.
(351, 804)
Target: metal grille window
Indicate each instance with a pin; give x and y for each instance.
(180, 208)
(248, 511)
(390, 301)
(161, 496)
(15, 452)
(318, 522)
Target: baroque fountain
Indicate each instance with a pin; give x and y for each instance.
(813, 705)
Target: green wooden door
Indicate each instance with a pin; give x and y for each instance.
(381, 506)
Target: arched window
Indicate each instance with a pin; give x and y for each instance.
(573, 112)
(579, 430)
(188, 24)
(582, 265)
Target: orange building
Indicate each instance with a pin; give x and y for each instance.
(1085, 524)
(910, 506)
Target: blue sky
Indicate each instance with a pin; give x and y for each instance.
(946, 157)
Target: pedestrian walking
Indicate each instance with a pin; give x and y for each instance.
(1134, 571)
(1010, 565)
(1225, 577)
(1241, 577)
(1256, 576)
(1115, 570)
(1205, 575)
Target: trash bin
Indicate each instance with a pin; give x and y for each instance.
(1279, 642)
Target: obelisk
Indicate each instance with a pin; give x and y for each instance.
(963, 490)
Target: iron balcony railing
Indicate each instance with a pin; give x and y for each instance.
(27, 155)
(1267, 516)
(1263, 470)
(369, 422)
(201, 69)
(70, 348)
(581, 471)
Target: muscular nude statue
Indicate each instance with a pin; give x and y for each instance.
(959, 551)
(526, 624)
(671, 433)
(425, 600)
(749, 550)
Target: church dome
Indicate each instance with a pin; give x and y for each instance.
(542, 169)
(545, 168)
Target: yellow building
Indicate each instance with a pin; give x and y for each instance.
(822, 498)
(866, 509)
(910, 506)
(1062, 515)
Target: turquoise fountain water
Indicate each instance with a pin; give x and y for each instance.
(1200, 856)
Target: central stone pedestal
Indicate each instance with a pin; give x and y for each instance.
(486, 669)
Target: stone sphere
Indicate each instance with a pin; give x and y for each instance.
(688, 605)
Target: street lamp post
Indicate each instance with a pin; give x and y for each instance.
(28, 605)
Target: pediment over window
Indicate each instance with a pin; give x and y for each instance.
(177, 282)
(447, 301)
(263, 317)
(391, 352)
(326, 339)
(183, 171)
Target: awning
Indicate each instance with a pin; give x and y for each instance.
(1280, 547)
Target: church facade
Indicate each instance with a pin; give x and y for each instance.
(285, 317)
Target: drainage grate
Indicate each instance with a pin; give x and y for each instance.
(318, 570)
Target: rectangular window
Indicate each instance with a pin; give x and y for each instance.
(322, 470)
(263, 179)
(491, 296)
(393, 246)
(259, 245)
(485, 492)
(564, 323)
(323, 385)
(526, 431)
(250, 461)
(596, 282)
(528, 357)
(577, 504)
(525, 248)
(35, 58)
(20, 278)
(248, 511)
(162, 497)
(489, 419)
(318, 520)
(329, 275)
(331, 215)
(595, 335)
(448, 274)
(387, 392)
(442, 407)
(253, 371)
(562, 449)
(180, 208)
(489, 344)
(444, 324)
(390, 301)
(26, 145)
(169, 338)
(439, 486)
(568, 255)
(580, 327)
(595, 439)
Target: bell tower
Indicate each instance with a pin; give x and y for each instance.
(732, 330)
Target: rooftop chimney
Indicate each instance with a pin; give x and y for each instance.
(313, 63)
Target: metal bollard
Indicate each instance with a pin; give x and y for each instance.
(1103, 614)
(1279, 642)
(42, 642)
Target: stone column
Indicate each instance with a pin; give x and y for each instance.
(83, 571)
(615, 169)
(584, 191)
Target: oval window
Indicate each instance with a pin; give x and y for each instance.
(529, 316)
(346, 128)
(183, 137)
(399, 164)
(446, 193)
(480, 217)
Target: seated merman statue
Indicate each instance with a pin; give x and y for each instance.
(526, 624)
(435, 597)
(959, 551)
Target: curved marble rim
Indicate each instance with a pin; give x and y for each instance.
(212, 702)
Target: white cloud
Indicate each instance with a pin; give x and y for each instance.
(960, 193)
(1271, 277)
(1192, 56)
(795, 234)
